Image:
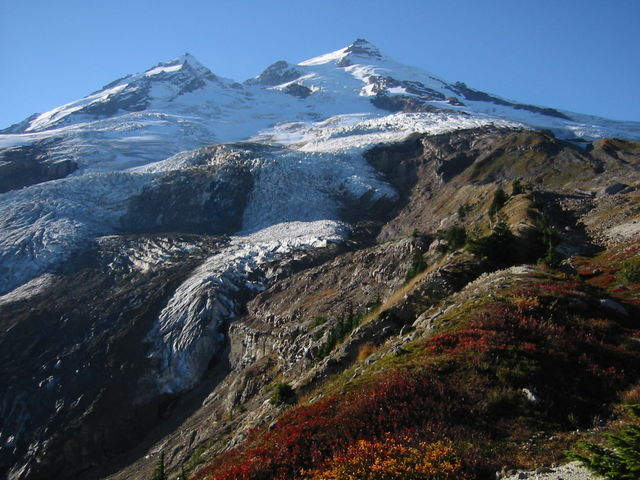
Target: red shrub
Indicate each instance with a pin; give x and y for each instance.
(570, 369)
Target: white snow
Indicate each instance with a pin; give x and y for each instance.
(292, 207)
(356, 132)
(323, 59)
(167, 69)
(32, 287)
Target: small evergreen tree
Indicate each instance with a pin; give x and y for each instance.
(548, 238)
(619, 457)
(516, 188)
(500, 197)
(498, 246)
(159, 473)
(463, 210)
(417, 265)
(282, 393)
(454, 237)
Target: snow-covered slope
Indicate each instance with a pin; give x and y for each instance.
(180, 105)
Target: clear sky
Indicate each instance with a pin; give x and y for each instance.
(579, 55)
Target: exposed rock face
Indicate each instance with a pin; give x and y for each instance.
(479, 96)
(383, 84)
(298, 90)
(170, 204)
(81, 338)
(403, 103)
(276, 74)
(353, 282)
(26, 165)
(362, 47)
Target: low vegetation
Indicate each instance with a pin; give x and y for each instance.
(630, 271)
(282, 393)
(337, 333)
(417, 265)
(459, 403)
(393, 458)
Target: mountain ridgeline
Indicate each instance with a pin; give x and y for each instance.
(342, 266)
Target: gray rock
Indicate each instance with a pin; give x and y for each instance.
(544, 470)
(613, 305)
(279, 72)
(613, 189)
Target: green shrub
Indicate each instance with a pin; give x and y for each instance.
(319, 320)
(498, 246)
(516, 188)
(618, 458)
(551, 257)
(282, 393)
(630, 271)
(536, 201)
(455, 238)
(417, 265)
(463, 210)
(500, 197)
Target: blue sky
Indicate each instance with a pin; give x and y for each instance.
(579, 55)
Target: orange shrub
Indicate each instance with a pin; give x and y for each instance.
(393, 459)
(365, 350)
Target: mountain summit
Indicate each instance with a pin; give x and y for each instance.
(184, 257)
(363, 47)
(359, 48)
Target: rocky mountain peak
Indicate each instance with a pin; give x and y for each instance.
(178, 68)
(275, 74)
(362, 47)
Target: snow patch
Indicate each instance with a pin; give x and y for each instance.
(163, 69)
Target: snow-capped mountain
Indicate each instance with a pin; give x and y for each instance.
(170, 197)
(180, 104)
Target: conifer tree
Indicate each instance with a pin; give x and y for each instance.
(619, 457)
(159, 473)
